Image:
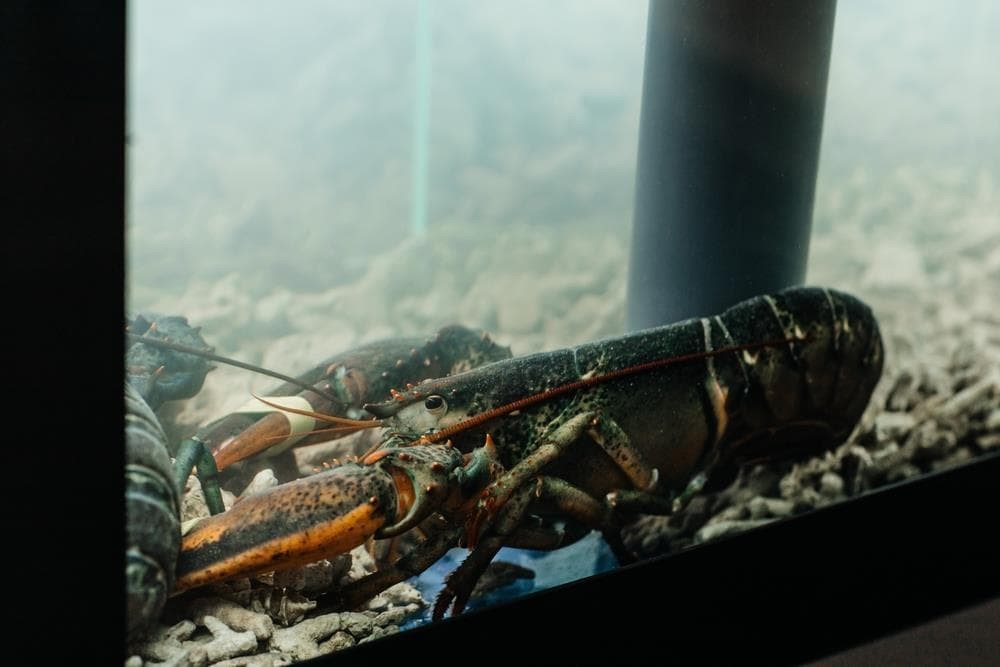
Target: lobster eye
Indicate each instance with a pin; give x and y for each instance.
(435, 405)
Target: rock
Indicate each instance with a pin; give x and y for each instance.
(968, 398)
(929, 442)
(380, 632)
(731, 513)
(714, 531)
(809, 497)
(259, 660)
(763, 508)
(790, 485)
(392, 616)
(403, 595)
(904, 394)
(233, 615)
(358, 624)
(758, 480)
(989, 441)
(261, 482)
(169, 645)
(307, 639)
(890, 449)
(758, 508)
(339, 640)
(893, 425)
(831, 485)
(226, 642)
(280, 604)
(957, 457)
(899, 473)
(361, 564)
(301, 641)
(803, 505)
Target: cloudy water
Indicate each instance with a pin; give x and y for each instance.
(277, 141)
(304, 178)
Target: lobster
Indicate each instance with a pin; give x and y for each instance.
(592, 435)
(168, 360)
(339, 385)
(152, 507)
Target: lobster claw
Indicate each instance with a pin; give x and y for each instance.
(422, 477)
(288, 526)
(431, 478)
(329, 513)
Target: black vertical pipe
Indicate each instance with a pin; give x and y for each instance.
(729, 135)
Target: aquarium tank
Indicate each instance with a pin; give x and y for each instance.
(407, 233)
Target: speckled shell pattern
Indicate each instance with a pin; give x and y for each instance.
(363, 374)
(288, 510)
(152, 511)
(814, 389)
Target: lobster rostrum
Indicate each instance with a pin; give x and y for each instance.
(593, 434)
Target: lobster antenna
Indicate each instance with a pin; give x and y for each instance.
(318, 431)
(347, 424)
(177, 347)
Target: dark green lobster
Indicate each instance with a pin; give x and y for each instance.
(593, 435)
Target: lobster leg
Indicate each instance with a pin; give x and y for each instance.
(413, 563)
(546, 538)
(498, 493)
(429, 551)
(572, 501)
(641, 502)
(460, 583)
(587, 510)
(193, 454)
(604, 431)
(615, 442)
(510, 496)
(508, 531)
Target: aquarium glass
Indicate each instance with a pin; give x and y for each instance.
(312, 178)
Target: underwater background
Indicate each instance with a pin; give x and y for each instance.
(275, 190)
